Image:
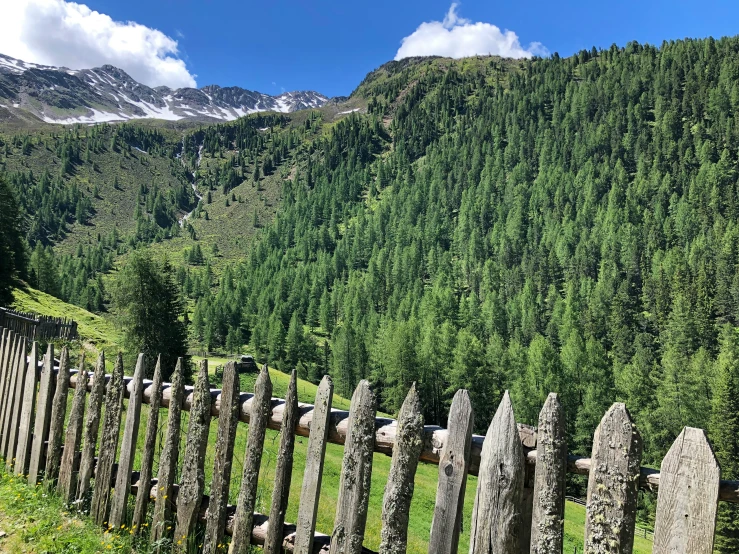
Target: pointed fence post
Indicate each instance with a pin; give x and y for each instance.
(8, 338)
(15, 414)
(260, 412)
(453, 466)
(688, 496)
(547, 526)
(356, 474)
(92, 427)
(25, 433)
(162, 524)
(5, 379)
(192, 483)
(399, 489)
(119, 499)
(228, 420)
(147, 458)
(613, 485)
(56, 428)
(284, 469)
(108, 445)
(67, 483)
(42, 423)
(10, 406)
(497, 509)
(313, 472)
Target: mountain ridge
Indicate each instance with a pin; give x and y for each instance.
(107, 94)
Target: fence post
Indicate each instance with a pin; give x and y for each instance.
(147, 458)
(10, 383)
(6, 355)
(119, 499)
(192, 483)
(58, 413)
(613, 485)
(283, 471)
(15, 416)
(228, 420)
(497, 509)
(396, 503)
(260, 412)
(313, 473)
(43, 417)
(453, 466)
(25, 434)
(92, 426)
(547, 522)
(161, 523)
(356, 474)
(67, 484)
(108, 445)
(688, 496)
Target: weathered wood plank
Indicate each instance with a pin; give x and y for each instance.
(497, 509)
(162, 522)
(313, 472)
(453, 465)
(613, 485)
(10, 383)
(25, 432)
(399, 489)
(92, 427)
(119, 499)
(228, 420)
(6, 354)
(15, 415)
(356, 474)
(244, 517)
(284, 469)
(47, 385)
(108, 445)
(56, 427)
(67, 484)
(547, 528)
(147, 457)
(192, 483)
(688, 496)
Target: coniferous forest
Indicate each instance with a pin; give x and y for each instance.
(559, 224)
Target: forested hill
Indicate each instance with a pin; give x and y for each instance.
(559, 224)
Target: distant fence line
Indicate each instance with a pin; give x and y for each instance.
(519, 502)
(38, 327)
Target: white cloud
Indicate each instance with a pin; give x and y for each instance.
(55, 32)
(456, 37)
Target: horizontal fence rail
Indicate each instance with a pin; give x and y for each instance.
(518, 502)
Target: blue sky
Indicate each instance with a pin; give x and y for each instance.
(272, 46)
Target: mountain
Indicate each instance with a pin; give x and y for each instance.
(61, 95)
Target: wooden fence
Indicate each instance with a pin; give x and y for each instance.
(519, 501)
(38, 327)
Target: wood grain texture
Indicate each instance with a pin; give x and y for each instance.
(92, 428)
(56, 427)
(119, 498)
(162, 521)
(613, 485)
(46, 388)
(228, 419)
(10, 398)
(15, 414)
(108, 445)
(66, 485)
(497, 510)
(244, 517)
(310, 491)
(396, 502)
(356, 474)
(28, 412)
(9, 357)
(192, 483)
(147, 456)
(453, 466)
(284, 469)
(688, 496)
(7, 338)
(547, 525)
